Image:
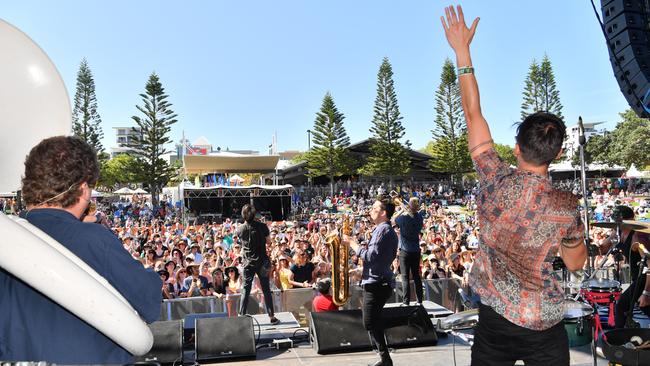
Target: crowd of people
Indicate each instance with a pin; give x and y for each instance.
(205, 259)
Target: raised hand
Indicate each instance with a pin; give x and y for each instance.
(456, 31)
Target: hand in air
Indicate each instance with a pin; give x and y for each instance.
(456, 31)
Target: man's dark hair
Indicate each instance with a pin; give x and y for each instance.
(386, 205)
(324, 285)
(540, 137)
(621, 212)
(248, 213)
(56, 168)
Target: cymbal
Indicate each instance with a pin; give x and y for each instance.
(626, 224)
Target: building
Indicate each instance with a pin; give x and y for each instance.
(572, 142)
(419, 170)
(123, 137)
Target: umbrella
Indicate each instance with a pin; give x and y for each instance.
(140, 191)
(125, 190)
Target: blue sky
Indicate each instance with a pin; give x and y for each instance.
(236, 71)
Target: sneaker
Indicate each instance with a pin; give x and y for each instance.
(274, 320)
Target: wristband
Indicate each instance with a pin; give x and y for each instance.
(465, 70)
(645, 293)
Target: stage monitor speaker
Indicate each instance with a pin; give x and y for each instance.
(343, 331)
(167, 343)
(409, 326)
(626, 31)
(222, 338)
(338, 331)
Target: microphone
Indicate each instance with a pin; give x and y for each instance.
(644, 251)
(581, 132)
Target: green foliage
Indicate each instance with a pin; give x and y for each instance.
(388, 156)
(149, 143)
(329, 155)
(506, 153)
(121, 170)
(299, 158)
(540, 91)
(178, 173)
(628, 144)
(85, 119)
(449, 147)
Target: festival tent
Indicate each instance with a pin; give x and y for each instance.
(140, 191)
(124, 191)
(236, 179)
(96, 194)
(633, 172)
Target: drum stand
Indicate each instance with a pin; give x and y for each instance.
(629, 321)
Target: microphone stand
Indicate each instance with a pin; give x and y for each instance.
(591, 249)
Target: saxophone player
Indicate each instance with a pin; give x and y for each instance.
(377, 279)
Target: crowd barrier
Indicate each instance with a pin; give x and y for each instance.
(299, 301)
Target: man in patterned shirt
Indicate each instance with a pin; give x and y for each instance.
(524, 223)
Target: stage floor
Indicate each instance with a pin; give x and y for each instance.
(442, 355)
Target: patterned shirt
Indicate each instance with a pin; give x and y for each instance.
(523, 220)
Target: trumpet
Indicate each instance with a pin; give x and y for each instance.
(340, 263)
(399, 202)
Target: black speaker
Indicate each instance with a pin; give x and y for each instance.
(338, 331)
(408, 326)
(220, 338)
(167, 342)
(626, 31)
(343, 331)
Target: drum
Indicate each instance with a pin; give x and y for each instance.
(577, 322)
(602, 292)
(601, 285)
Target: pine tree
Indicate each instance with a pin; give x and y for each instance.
(388, 156)
(449, 149)
(329, 156)
(85, 119)
(540, 91)
(152, 135)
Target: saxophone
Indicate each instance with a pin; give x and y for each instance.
(340, 266)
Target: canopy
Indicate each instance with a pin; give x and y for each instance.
(140, 191)
(96, 194)
(633, 172)
(229, 163)
(125, 191)
(236, 179)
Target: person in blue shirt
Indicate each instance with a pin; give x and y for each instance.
(60, 173)
(410, 225)
(377, 278)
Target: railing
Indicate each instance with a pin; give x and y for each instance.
(299, 301)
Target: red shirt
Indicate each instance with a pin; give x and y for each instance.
(324, 303)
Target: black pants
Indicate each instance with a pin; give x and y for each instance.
(263, 275)
(409, 265)
(623, 303)
(498, 342)
(375, 296)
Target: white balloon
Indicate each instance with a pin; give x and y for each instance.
(34, 102)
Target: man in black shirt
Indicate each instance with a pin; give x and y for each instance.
(254, 236)
(629, 248)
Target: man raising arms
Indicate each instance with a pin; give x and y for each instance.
(524, 222)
